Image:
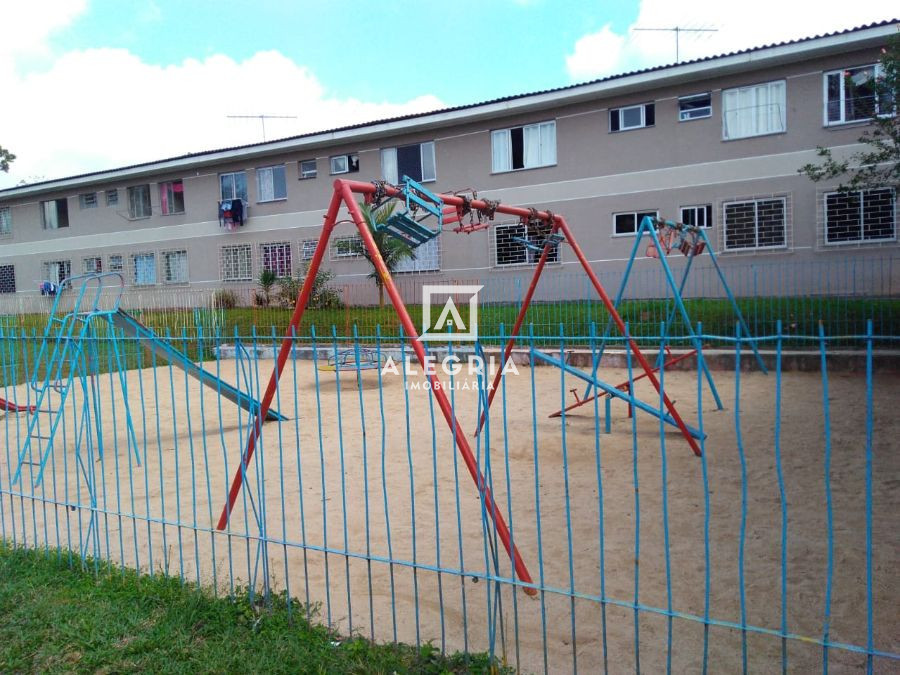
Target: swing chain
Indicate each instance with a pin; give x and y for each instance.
(490, 207)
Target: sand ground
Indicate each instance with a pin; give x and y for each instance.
(372, 472)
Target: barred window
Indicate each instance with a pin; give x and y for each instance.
(92, 265)
(426, 258)
(115, 263)
(112, 197)
(237, 263)
(57, 271)
(509, 248)
(346, 247)
(5, 220)
(175, 267)
(7, 279)
(755, 224)
(860, 216)
(143, 269)
(308, 248)
(277, 258)
(88, 200)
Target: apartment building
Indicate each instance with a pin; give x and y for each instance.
(715, 142)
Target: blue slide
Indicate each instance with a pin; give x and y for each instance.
(163, 349)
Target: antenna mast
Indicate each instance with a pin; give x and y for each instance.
(678, 30)
(262, 119)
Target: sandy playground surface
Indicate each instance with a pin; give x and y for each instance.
(393, 455)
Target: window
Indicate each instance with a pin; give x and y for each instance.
(88, 200)
(237, 263)
(143, 269)
(55, 214)
(427, 258)
(701, 216)
(523, 147)
(171, 197)
(5, 220)
(345, 164)
(308, 248)
(93, 265)
(57, 271)
(270, 184)
(860, 216)
(233, 185)
(755, 224)
(175, 267)
(850, 95)
(694, 107)
(508, 251)
(307, 169)
(277, 258)
(753, 111)
(115, 263)
(415, 161)
(347, 247)
(139, 202)
(627, 223)
(7, 279)
(632, 117)
(112, 197)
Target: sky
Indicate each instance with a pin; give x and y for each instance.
(88, 85)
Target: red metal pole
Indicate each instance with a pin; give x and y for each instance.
(516, 327)
(621, 326)
(286, 344)
(347, 190)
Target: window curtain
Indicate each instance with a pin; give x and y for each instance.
(164, 197)
(548, 143)
(389, 165)
(500, 155)
(429, 172)
(266, 182)
(531, 146)
(50, 220)
(144, 270)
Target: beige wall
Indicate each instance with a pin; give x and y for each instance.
(597, 174)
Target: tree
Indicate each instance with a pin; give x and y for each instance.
(267, 281)
(392, 250)
(5, 158)
(878, 165)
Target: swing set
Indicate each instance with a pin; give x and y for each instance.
(425, 216)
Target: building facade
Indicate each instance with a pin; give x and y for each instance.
(716, 142)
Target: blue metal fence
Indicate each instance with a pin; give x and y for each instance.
(773, 550)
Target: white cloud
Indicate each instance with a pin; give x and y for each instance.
(740, 25)
(101, 108)
(594, 53)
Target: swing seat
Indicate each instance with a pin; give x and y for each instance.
(552, 240)
(401, 226)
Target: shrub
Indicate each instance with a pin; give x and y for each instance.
(225, 298)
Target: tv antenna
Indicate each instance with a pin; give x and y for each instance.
(262, 119)
(678, 30)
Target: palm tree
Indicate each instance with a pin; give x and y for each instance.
(392, 250)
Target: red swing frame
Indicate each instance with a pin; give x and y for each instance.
(344, 191)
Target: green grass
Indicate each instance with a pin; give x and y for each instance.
(54, 618)
(800, 316)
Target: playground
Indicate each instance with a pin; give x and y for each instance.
(402, 464)
(557, 517)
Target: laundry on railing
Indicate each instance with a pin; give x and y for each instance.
(231, 213)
